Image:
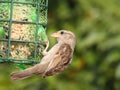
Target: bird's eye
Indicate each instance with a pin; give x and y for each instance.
(62, 32)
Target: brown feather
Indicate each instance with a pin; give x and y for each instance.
(37, 69)
(61, 60)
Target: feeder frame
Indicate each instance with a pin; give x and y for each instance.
(36, 3)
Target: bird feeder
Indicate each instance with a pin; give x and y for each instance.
(22, 30)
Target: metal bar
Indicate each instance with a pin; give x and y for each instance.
(10, 27)
(18, 61)
(18, 2)
(46, 11)
(22, 22)
(36, 34)
(22, 41)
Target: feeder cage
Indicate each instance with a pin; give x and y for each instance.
(22, 30)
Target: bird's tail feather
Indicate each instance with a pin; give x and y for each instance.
(22, 74)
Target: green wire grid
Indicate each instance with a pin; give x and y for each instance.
(38, 4)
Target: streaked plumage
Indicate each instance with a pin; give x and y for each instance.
(55, 60)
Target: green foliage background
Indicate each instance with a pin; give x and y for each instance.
(96, 62)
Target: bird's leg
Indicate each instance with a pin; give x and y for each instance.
(45, 50)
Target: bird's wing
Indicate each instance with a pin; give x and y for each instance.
(60, 60)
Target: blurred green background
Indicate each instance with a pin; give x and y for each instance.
(96, 62)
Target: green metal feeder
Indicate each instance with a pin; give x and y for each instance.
(22, 30)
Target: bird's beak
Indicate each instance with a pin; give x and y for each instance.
(55, 35)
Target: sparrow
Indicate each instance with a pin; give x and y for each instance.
(55, 60)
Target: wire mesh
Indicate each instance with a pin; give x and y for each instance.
(20, 21)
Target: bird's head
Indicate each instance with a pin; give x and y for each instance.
(64, 36)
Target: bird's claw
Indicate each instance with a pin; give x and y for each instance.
(44, 53)
(45, 50)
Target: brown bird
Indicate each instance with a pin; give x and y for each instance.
(55, 60)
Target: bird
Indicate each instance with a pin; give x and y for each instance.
(55, 60)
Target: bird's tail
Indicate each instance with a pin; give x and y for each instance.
(23, 74)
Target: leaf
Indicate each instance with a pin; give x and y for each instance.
(21, 66)
(42, 34)
(2, 32)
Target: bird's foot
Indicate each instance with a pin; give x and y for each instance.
(44, 53)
